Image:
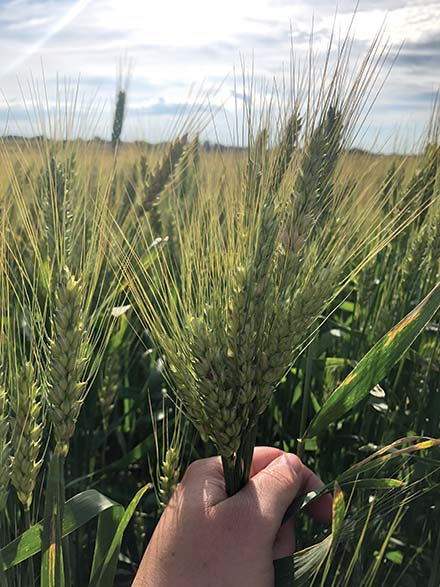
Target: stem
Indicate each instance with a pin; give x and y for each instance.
(52, 563)
(237, 468)
(435, 575)
(27, 519)
(229, 473)
(432, 396)
(247, 453)
(30, 564)
(64, 571)
(3, 578)
(284, 570)
(306, 397)
(398, 374)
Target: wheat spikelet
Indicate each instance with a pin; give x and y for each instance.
(158, 180)
(421, 187)
(118, 119)
(5, 450)
(164, 169)
(285, 150)
(169, 476)
(417, 248)
(27, 435)
(108, 391)
(144, 169)
(55, 193)
(169, 442)
(65, 391)
(430, 261)
(392, 187)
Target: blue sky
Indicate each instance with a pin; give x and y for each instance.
(186, 51)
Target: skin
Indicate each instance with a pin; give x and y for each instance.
(207, 539)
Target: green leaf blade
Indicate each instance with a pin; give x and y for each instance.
(78, 511)
(108, 524)
(108, 568)
(375, 364)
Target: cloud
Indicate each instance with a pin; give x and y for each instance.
(31, 23)
(171, 49)
(164, 108)
(424, 54)
(349, 6)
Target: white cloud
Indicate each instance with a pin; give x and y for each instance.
(175, 43)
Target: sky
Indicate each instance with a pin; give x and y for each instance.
(186, 58)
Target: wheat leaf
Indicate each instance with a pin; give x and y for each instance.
(376, 364)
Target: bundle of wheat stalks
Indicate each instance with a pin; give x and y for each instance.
(228, 266)
(259, 261)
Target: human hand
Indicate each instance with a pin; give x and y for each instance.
(207, 539)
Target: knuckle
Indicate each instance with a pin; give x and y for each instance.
(281, 477)
(193, 470)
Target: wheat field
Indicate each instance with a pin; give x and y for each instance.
(163, 303)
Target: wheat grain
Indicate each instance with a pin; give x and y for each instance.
(5, 450)
(66, 389)
(27, 434)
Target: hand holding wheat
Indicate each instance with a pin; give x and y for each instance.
(205, 538)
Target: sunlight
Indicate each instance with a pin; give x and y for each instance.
(59, 25)
(173, 22)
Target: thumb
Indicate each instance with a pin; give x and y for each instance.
(272, 489)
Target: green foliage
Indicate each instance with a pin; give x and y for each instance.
(162, 304)
(375, 365)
